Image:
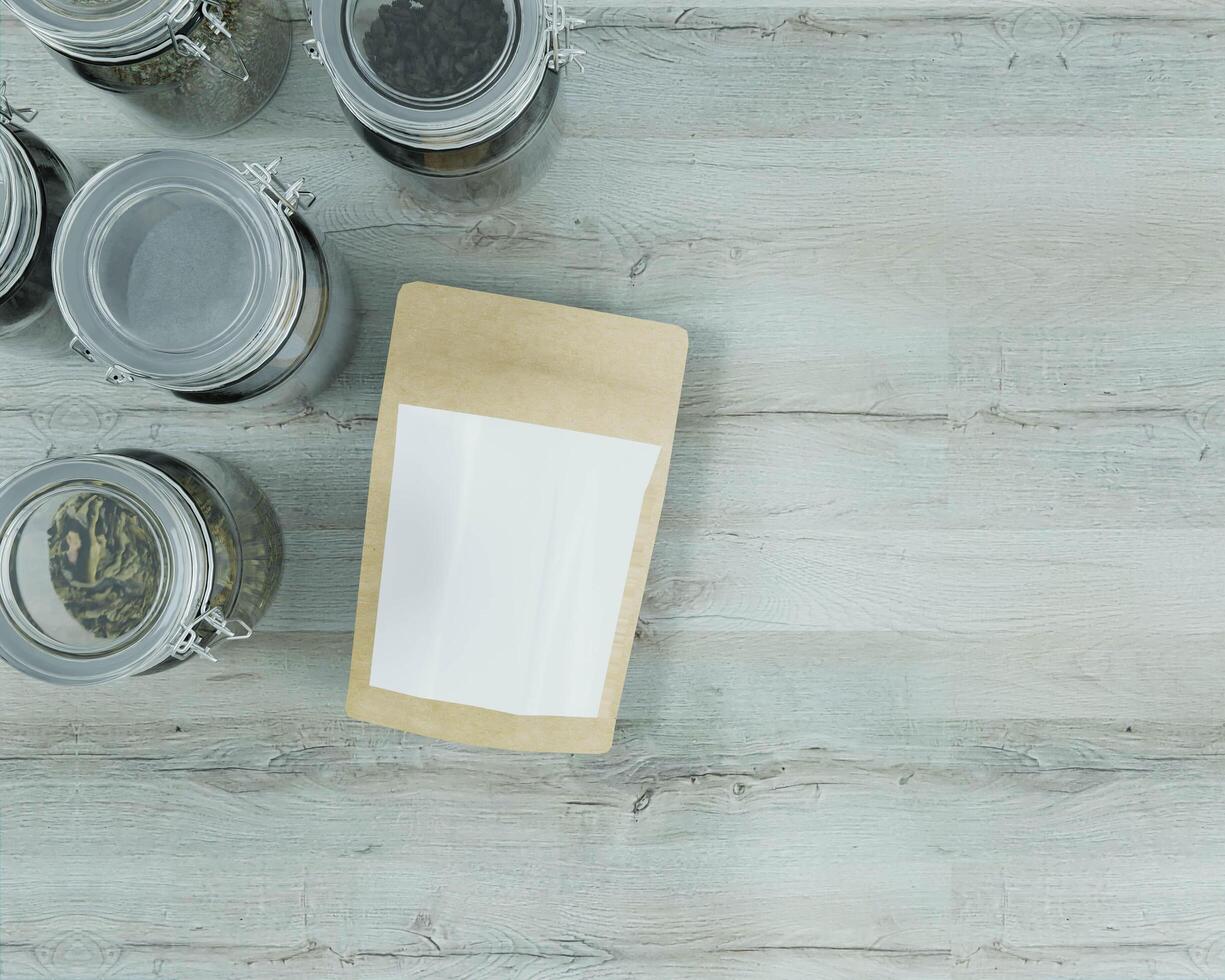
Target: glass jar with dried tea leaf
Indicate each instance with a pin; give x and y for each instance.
(177, 269)
(36, 184)
(460, 97)
(119, 563)
(186, 67)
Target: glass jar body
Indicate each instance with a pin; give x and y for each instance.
(121, 563)
(187, 96)
(242, 529)
(484, 175)
(318, 346)
(32, 300)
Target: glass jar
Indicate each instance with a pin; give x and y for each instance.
(120, 563)
(186, 67)
(460, 98)
(178, 269)
(36, 184)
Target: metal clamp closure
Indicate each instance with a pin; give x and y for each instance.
(311, 44)
(114, 374)
(8, 111)
(77, 346)
(118, 376)
(180, 14)
(560, 53)
(287, 197)
(211, 11)
(192, 642)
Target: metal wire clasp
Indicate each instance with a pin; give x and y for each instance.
(559, 26)
(211, 11)
(286, 197)
(114, 374)
(311, 44)
(191, 643)
(7, 111)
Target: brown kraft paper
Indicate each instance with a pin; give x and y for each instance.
(465, 351)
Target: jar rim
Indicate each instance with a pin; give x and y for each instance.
(126, 30)
(119, 209)
(26, 521)
(22, 205)
(468, 117)
(187, 569)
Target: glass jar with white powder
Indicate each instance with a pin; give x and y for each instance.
(176, 269)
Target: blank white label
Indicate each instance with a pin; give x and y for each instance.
(507, 550)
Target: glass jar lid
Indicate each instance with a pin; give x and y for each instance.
(434, 74)
(106, 30)
(21, 210)
(86, 569)
(104, 563)
(173, 267)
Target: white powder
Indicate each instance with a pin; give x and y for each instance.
(189, 278)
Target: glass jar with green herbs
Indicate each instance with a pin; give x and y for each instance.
(120, 563)
(185, 67)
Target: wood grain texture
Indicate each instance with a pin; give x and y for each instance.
(927, 682)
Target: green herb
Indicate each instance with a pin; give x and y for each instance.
(104, 564)
(190, 96)
(242, 527)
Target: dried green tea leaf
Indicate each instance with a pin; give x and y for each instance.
(104, 564)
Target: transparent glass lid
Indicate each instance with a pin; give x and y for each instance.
(174, 268)
(105, 26)
(92, 8)
(20, 210)
(104, 562)
(424, 50)
(433, 74)
(85, 570)
(10, 214)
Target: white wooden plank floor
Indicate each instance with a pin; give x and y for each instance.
(929, 678)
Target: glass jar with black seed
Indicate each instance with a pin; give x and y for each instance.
(36, 183)
(186, 67)
(460, 97)
(121, 563)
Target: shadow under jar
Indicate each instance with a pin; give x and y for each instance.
(177, 269)
(185, 67)
(121, 563)
(460, 97)
(36, 184)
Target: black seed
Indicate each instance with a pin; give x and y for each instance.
(438, 47)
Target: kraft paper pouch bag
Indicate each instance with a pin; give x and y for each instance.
(519, 469)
